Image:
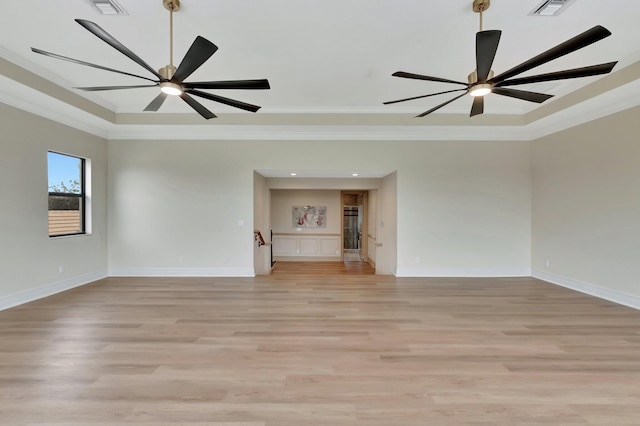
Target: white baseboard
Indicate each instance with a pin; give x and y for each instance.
(27, 296)
(182, 272)
(464, 272)
(590, 289)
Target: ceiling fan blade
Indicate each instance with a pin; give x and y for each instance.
(200, 109)
(77, 61)
(425, 77)
(578, 42)
(522, 94)
(478, 106)
(223, 100)
(486, 48)
(157, 102)
(103, 88)
(562, 75)
(201, 49)
(420, 97)
(96, 30)
(440, 106)
(236, 84)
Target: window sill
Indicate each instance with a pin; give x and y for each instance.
(56, 237)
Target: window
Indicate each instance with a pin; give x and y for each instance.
(67, 197)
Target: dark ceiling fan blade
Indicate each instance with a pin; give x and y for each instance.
(77, 61)
(440, 106)
(235, 84)
(96, 30)
(103, 88)
(200, 109)
(423, 96)
(562, 75)
(201, 49)
(478, 106)
(486, 48)
(522, 94)
(578, 42)
(425, 77)
(223, 100)
(157, 102)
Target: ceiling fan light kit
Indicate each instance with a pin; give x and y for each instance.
(482, 82)
(170, 79)
(480, 89)
(170, 88)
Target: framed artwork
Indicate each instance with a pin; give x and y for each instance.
(309, 216)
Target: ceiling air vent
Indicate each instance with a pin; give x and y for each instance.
(108, 7)
(551, 7)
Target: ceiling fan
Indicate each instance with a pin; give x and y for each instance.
(482, 81)
(168, 78)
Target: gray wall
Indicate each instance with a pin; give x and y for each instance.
(29, 259)
(586, 207)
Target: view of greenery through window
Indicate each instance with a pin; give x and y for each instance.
(66, 194)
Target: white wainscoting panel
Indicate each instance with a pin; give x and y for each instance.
(307, 245)
(329, 246)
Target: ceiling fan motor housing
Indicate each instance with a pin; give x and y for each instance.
(167, 72)
(473, 77)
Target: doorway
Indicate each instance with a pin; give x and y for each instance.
(354, 226)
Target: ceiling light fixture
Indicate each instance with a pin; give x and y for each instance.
(169, 78)
(354, 174)
(480, 89)
(482, 81)
(170, 88)
(293, 174)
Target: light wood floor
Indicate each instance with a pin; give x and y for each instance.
(313, 269)
(313, 349)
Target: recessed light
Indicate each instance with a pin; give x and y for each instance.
(292, 174)
(354, 174)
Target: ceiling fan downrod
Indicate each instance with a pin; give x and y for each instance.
(476, 89)
(172, 6)
(480, 6)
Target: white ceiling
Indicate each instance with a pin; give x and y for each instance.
(330, 59)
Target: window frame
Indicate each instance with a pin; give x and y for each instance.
(82, 195)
